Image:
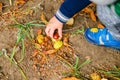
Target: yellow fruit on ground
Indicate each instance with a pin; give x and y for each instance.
(57, 44)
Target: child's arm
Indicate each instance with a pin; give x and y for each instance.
(67, 9)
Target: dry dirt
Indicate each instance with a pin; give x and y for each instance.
(101, 57)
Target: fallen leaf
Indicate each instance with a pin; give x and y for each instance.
(100, 26)
(43, 18)
(57, 44)
(40, 39)
(95, 76)
(1, 5)
(70, 78)
(50, 51)
(65, 42)
(35, 53)
(93, 16)
(39, 31)
(87, 10)
(20, 2)
(37, 46)
(70, 22)
(31, 12)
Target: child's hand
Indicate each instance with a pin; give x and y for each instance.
(52, 26)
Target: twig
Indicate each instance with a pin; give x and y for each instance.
(10, 1)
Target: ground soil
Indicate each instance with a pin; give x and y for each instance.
(101, 57)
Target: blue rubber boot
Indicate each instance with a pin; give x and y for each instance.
(101, 37)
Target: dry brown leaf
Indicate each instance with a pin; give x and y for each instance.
(39, 31)
(93, 16)
(65, 42)
(35, 53)
(100, 26)
(1, 5)
(70, 22)
(20, 2)
(95, 76)
(87, 10)
(31, 12)
(43, 18)
(37, 46)
(70, 78)
(52, 51)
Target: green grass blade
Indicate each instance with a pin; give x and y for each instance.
(1, 53)
(27, 34)
(76, 63)
(79, 31)
(84, 63)
(35, 21)
(19, 37)
(33, 25)
(117, 69)
(23, 51)
(32, 22)
(20, 69)
(23, 74)
(4, 51)
(12, 55)
(20, 26)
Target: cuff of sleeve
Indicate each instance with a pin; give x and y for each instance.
(62, 18)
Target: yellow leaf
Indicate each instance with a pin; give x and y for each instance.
(95, 76)
(40, 39)
(70, 22)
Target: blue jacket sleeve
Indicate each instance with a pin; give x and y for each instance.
(69, 7)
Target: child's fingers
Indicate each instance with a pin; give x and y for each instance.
(60, 32)
(51, 32)
(47, 30)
